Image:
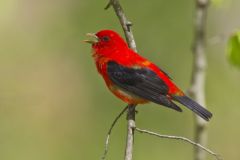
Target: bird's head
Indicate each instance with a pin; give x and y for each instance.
(106, 40)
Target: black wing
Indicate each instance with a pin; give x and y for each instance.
(141, 82)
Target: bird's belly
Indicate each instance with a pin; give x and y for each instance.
(126, 96)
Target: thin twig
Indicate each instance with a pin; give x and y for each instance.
(110, 131)
(108, 5)
(180, 138)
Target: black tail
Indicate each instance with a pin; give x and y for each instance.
(194, 106)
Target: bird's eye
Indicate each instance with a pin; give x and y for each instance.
(106, 38)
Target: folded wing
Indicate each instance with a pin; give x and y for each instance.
(142, 82)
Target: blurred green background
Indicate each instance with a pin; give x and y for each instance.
(54, 105)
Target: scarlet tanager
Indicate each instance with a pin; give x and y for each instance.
(134, 79)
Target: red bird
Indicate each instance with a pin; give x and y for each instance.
(134, 79)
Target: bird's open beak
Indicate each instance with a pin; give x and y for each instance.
(93, 38)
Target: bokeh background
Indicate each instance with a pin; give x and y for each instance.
(54, 105)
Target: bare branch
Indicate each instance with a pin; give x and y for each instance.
(126, 26)
(199, 68)
(130, 132)
(180, 138)
(197, 88)
(110, 131)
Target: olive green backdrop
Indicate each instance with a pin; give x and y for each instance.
(54, 105)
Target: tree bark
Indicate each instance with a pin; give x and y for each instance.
(130, 132)
(197, 89)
